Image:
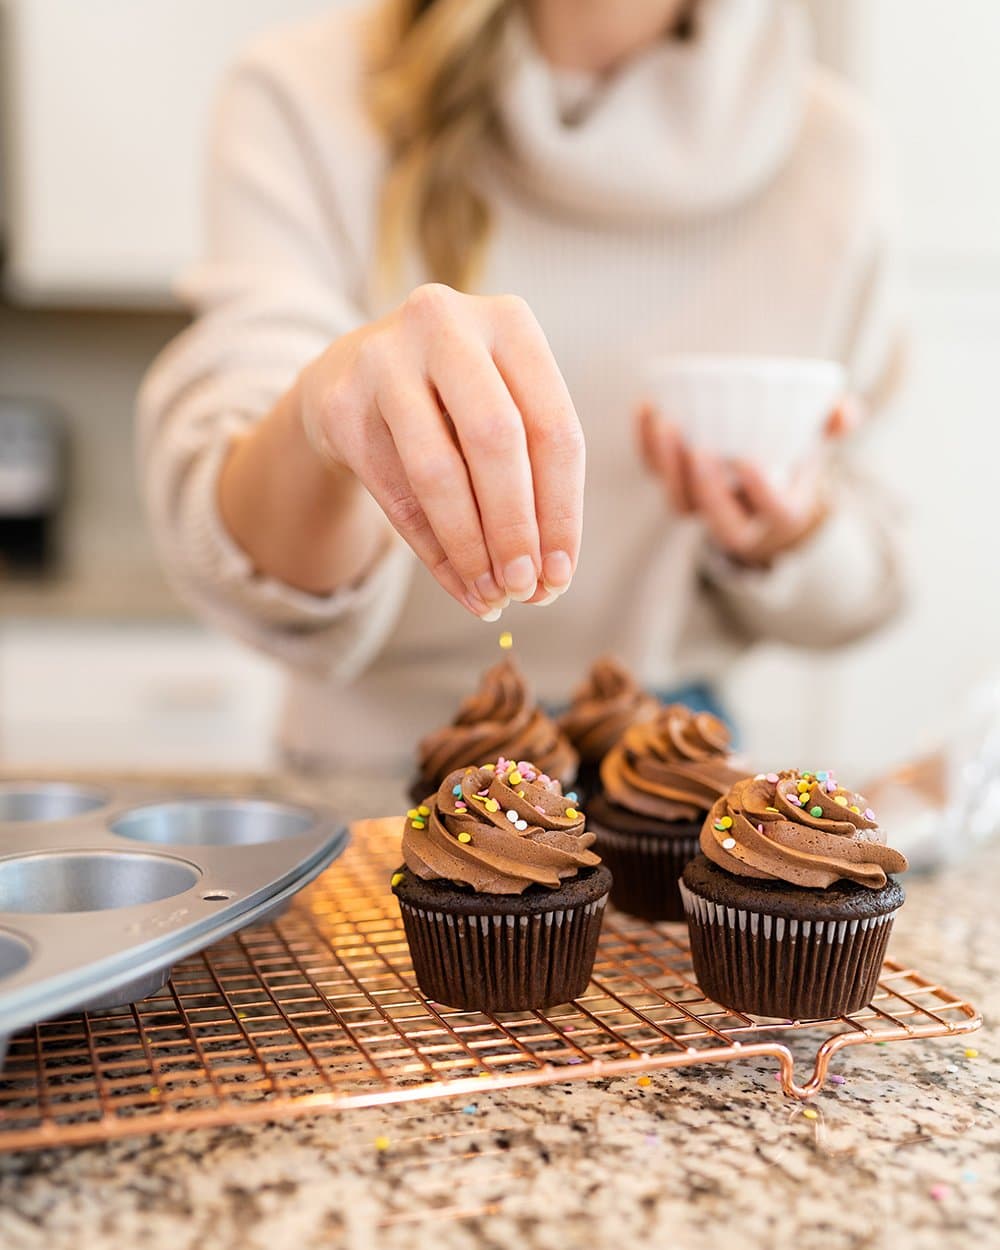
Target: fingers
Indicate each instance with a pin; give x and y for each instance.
(554, 440)
(845, 418)
(730, 523)
(665, 454)
(381, 469)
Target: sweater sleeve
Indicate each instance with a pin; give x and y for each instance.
(274, 289)
(848, 578)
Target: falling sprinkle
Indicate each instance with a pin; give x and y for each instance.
(506, 640)
(471, 1109)
(644, 1081)
(940, 1192)
(837, 1079)
(382, 1143)
(971, 1052)
(811, 1114)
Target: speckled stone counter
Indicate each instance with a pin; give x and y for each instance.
(906, 1152)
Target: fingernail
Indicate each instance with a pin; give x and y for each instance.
(489, 591)
(551, 597)
(557, 572)
(494, 614)
(520, 579)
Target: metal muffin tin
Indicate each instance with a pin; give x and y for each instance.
(101, 890)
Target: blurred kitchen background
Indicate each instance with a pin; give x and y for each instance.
(104, 106)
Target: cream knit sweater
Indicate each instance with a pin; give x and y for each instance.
(717, 195)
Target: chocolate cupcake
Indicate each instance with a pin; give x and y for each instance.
(500, 719)
(603, 707)
(790, 905)
(501, 896)
(657, 787)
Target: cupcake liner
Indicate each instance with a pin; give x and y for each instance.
(768, 411)
(646, 871)
(795, 969)
(511, 962)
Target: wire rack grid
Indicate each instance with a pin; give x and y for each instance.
(320, 1011)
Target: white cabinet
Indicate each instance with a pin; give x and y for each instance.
(132, 697)
(107, 103)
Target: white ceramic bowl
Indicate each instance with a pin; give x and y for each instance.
(767, 410)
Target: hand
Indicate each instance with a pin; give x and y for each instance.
(745, 516)
(452, 412)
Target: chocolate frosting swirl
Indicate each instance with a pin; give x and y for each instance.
(498, 829)
(802, 828)
(607, 703)
(501, 718)
(671, 768)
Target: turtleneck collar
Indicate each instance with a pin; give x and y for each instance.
(687, 127)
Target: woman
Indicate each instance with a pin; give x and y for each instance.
(344, 433)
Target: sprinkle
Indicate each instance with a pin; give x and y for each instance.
(539, 809)
(419, 824)
(506, 640)
(831, 786)
(970, 1178)
(652, 1139)
(939, 1192)
(856, 810)
(465, 837)
(471, 1109)
(154, 1091)
(772, 778)
(822, 776)
(423, 810)
(806, 774)
(770, 809)
(573, 797)
(815, 811)
(760, 828)
(572, 813)
(491, 805)
(489, 768)
(515, 778)
(837, 1079)
(726, 822)
(412, 814)
(803, 786)
(456, 790)
(520, 794)
(644, 1081)
(728, 843)
(461, 807)
(720, 826)
(512, 816)
(869, 814)
(382, 1143)
(811, 1114)
(793, 799)
(840, 800)
(396, 878)
(760, 777)
(479, 798)
(971, 1052)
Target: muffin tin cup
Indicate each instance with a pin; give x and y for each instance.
(101, 891)
(783, 968)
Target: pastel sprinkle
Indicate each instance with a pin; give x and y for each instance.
(971, 1052)
(840, 800)
(489, 768)
(815, 811)
(831, 785)
(520, 794)
(940, 1192)
(419, 824)
(520, 825)
(456, 790)
(855, 809)
(491, 805)
(573, 797)
(869, 814)
(471, 1109)
(396, 878)
(644, 1081)
(720, 826)
(478, 798)
(515, 778)
(506, 640)
(837, 1079)
(970, 1178)
(760, 777)
(772, 778)
(382, 1143)
(572, 813)
(728, 843)
(423, 810)
(512, 816)
(796, 802)
(760, 828)
(822, 776)
(726, 822)
(465, 837)
(770, 809)
(811, 1114)
(412, 814)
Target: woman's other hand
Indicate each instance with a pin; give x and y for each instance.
(744, 515)
(452, 412)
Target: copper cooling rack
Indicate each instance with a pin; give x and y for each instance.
(319, 1011)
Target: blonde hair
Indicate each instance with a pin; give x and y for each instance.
(434, 66)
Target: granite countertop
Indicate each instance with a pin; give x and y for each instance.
(905, 1152)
